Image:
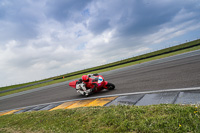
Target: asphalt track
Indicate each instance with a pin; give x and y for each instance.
(181, 71)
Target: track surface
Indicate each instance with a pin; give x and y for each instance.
(180, 71)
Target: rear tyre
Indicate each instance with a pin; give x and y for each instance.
(110, 86)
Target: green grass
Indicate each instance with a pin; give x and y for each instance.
(19, 85)
(103, 70)
(153, 118)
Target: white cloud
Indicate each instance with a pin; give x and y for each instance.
(46, 39)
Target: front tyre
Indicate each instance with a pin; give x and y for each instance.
(110, 86)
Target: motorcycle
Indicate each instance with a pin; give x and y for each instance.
(98, 80)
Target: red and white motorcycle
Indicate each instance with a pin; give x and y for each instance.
(95, 80)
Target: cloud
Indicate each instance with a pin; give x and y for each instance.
(40, 39)
(65, 10)
(135, 17)
(98, 26)
(19, 20)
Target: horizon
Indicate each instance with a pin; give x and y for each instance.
(42, 39)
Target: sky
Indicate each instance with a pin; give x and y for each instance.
(45, 38)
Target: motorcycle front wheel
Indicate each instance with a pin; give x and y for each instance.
(110, 86)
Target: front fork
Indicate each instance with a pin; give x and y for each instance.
(105, 85)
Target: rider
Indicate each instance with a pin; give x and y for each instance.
(91, 87)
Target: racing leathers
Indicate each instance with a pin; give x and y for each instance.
(86, 87)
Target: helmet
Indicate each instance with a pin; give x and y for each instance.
(84, 77)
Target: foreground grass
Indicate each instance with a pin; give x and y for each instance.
(99, 71)
(153, 118)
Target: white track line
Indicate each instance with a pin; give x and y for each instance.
(124, 94)
(162, 60)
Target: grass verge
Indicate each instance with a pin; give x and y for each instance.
(103, 70)
(153, 118)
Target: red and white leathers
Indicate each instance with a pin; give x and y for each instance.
(93, 83)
